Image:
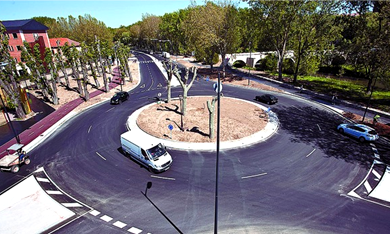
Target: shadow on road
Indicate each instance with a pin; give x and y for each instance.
(318, 127)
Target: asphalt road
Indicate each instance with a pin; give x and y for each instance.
(295, 182)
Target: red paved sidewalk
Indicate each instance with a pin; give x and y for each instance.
(44, 124)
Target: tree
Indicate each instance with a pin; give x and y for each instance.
(278, 18)
(213, 28)
(185, 85)
(211, 109)
(49, 60)
(170, 68)
(313, 31)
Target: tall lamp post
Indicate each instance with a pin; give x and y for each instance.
(250, 62)
(218, 89)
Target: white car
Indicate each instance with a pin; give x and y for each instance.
(359, 131)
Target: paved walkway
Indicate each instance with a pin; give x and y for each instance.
(42, 129)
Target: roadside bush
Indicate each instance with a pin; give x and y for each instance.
(269, 63)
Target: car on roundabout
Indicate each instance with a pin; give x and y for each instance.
(119, 97)
(267, 98)
(359, 131)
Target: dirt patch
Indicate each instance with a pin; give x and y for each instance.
(239, 119)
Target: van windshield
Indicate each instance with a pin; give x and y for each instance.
(156, 151)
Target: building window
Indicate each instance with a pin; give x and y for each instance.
(19, 48)
(10, 48)
(35, 36)
(15, 35)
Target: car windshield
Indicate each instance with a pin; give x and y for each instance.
(156, 151)
(116, 95)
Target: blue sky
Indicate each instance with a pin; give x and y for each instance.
(112, 13)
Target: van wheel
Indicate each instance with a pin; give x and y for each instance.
(150, 169)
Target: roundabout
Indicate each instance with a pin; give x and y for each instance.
(265, 125)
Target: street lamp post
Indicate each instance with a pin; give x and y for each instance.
(9, 121)
(369, 100)
(250, 62)
(217, 160)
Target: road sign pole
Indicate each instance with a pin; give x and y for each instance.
(218, 89)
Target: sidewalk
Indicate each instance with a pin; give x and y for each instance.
(43, 128)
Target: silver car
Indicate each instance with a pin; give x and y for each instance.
(359, 131)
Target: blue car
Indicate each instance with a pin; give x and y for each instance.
(359, 131)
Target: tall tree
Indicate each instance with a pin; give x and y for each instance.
(185, 85)
(278, 18)
(7, 75)
(313, 32)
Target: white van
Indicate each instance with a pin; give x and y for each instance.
(152, 155)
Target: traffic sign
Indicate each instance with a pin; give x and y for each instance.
(215, 87)
(170, 127)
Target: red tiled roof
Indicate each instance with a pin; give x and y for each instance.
(53, 42)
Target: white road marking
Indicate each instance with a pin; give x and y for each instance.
(368, 186)
(376, 174)
(41, 126)
(310, 153)
(94, 212)
(101, 156)
(110, 109)
(251, 176)
(164, 178)
(89, 129)
(134, 230)
(53, 192)
(319, 127)
(43, 180)
(74, 204)
(119, 224)
(106, 218)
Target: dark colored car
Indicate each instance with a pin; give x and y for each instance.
(119, 97)
(267, 98)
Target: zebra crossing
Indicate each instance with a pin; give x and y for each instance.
(79, 208)
(375, 187)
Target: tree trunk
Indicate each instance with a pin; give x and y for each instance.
(211, 109)
(93, 72)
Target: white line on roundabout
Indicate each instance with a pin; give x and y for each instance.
(101, 156)
(252, 176)
(310, 153)
(161, 177)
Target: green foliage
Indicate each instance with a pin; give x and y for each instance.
(269, 63)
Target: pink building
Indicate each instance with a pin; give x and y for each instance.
(28, 30)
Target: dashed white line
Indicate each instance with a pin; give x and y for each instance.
(69, 205)
(164, 178)
(119, 224)
(106, 218)
(251, 176)
(134, 230)
(94, 212)
(101, 156)
(109, 109)
(319, 127)
(89, 129)
(310, 153)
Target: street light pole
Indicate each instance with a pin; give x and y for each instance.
(217, 161)
(250, 62)
(9, 121)
(369, 100)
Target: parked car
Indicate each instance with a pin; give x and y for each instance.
(119, 97)
(267, 98)
(359, 131)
